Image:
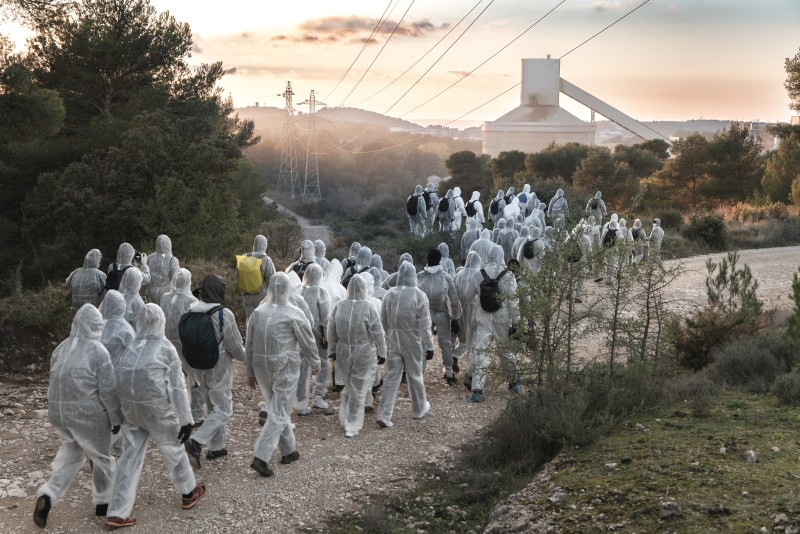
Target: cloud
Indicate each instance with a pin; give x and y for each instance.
(354, 29)
(607, 5)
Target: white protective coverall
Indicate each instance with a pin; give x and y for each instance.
(417, 221)
(482, 246)
(319, 305)
(125, 255)
(464, 280)
(392, 280)
(472, 234)
(407, 320)
(558, 208)
(87, 283)
(250, 302)
(175, 303)
(353, 329)
(319, 254)
(459, 211)
(130, 286)
(152, 395)
(163, 266)
(498, 203)
(117, 332)
(82, 406)
(654, 241)
(278, 335)
(494, 326)
(377, 262)
(599, 209)
(446, 262)
(479, 216)
(444, 307)
(538, 250)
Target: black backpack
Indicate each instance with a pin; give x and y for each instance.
(470, 208)
(508, 199)
(594, 203)
(300, 268)
(199, 343)
(346, 280)
(412, 205)
(490, 291)
(529, 249)
(444, 205)
(637, 233)
(426, 196)
(609, 238)
(494, 207)
(114, 278)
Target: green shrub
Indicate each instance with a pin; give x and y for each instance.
(747, 363)
(793, 326)
(671, 219)
(48, 309)
(787, 388)
(696, 389)
(708, 229)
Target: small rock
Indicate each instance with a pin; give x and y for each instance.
(41, 414)
(8, 411)
(764, 530)
(611, 465)
(745, 494)
(669, 509)
(35, 475)
(750, 456)
(640, 427)
(775, 449)
(780, 519)
(723, 450)
(16, 492)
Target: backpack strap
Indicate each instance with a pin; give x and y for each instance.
(485, 276)
(499, 276)
(221, 319)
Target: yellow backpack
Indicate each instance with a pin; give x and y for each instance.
(250, 279)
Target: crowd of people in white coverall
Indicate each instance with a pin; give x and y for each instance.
(148, 357)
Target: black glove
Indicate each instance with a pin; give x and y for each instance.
(454, 326)
(428, 354)
(381, 360)
(115, 429)
(185, 433)
(332, 356)
(512, 330)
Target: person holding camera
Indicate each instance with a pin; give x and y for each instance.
(126, 256)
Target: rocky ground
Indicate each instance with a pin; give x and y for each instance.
(334, 474)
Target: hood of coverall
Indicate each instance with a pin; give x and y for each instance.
(151, 322)
(260, 244)
(125, 254)
(87, 324)
(163, 245)
(407, 275)
(312, 275)
(357, 289)
(113, 306)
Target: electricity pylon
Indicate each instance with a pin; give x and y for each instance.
(311, 183)
(289, 177)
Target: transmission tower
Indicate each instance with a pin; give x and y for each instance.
(289, 177)
(311, 183)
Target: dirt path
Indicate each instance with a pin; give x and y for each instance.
(310, 231)
(334, 474)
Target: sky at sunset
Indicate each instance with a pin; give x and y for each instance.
(669, 60)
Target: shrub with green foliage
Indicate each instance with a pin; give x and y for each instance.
(793, 327)
(697, 389)
(708, 229)
(672, 219)
(787, 388)
(747, 363)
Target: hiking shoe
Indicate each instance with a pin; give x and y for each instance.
(101, 510)
(289, 458)
(261, 467)
(376, 388)
(120, 522)
(320, 403)
(383, 423)
(456, 368)
(337, 388)
(598, 279)
(189, 500)
(41, 511)
(193, 449)
(350, 434)
(577, 301)
(468, 382)
(262, 417)
(425, 411)
(213, 455)
(368, 408)
(477, 396)
(515, 387)
(451, 380)
(304, 411)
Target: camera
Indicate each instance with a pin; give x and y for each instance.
(137, 257)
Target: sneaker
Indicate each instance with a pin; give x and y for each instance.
(350, 434)
(41, 511)
(468, 383)
(383, 423)
(477, 396)
(337, 388)
(262, 417)
(193, 449)
(451, 380)
(369, 408)
(515, 387)
(101, 510)
(194, 497)
(425, 411)
(376, 388)
(598, 279)
(289, 458)
(320, 403)
(261, 467)
(456, 368)
(213, 455)
(304, 411)
(120, 522)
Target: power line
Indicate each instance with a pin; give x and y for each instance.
(369, 39)
(604, 29)
(379, 53)
(440, 57)
(431, 49)
(437, 95)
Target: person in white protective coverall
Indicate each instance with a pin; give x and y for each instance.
(251, 301)
(463, 280)
(377, 379)
(447, 263)
(654, 241)
(639, 237)
(625, 242)
(505, 239)
(536, 215)
(175, 303)
(392, 280)
(482, 245)
(353, 329)
(377, 263)
(532, 251)
(611, 242)
(597, 252)
(307, 257)
(492, 327)
(577, 250)
(87, 283)
(459, 210)
(350, 260)
(431, 202)
(525, 199)
(596, 207)
(319, 255)
(558, 208)
(512, 209)
(474, 210)
(163, 266)
(496, 206)
(83, 407)
(278, 336)
(407, 322)
(117, 332)
(499, 225)
(216, 383)
(472, 234)
(445, 309)
(129, 287)
(116, 270)
(416, 218)
(152, 396)
(362, 265)
(524, 234)
(319, 304)
(445, 211)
